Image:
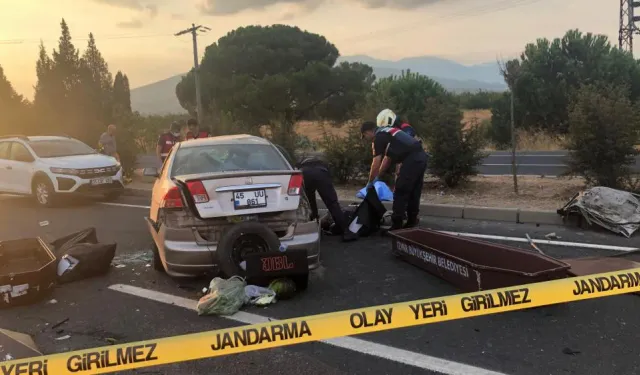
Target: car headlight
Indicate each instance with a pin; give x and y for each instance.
(70, 171)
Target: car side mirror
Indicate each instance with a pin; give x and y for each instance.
(151, 172)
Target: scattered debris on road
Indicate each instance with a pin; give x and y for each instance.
(85, 255)
(615, 210)
(16, 345)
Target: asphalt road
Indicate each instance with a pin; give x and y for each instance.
(601, 334)
(533, 163)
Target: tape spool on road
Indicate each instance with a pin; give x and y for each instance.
(324, 326)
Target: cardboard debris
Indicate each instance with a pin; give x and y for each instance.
(16, 345)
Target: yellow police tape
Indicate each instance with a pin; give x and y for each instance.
(324, 326)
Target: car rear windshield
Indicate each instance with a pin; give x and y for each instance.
(227, 158)
(58, 148)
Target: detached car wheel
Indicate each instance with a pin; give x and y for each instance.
(43, 192)
(243, 239)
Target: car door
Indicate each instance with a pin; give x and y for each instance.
(22, 168)
(5, 167)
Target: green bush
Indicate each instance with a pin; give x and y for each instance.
(349, 157)
(455, 153)
(603, 130)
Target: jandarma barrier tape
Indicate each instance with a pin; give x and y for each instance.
(324, 326)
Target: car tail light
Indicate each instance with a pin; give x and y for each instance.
(173, 199)
(198, 192)
(295, 185)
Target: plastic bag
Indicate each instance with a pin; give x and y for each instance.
(225, 297)
(259, 296)
(383, 191)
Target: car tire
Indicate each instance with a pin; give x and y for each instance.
(157, 262)
(43, 192)
(225, 250)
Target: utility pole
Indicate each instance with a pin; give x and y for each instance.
(196, 65)
(627, 24)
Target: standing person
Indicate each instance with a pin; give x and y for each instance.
(167, 140)
(107, 142)
(387, 117)
(194, 130)
(391, 145)
(316, 177)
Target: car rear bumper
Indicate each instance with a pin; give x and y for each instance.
(183, 256)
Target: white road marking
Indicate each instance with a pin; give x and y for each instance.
(123, 205)
(544, 242)
(390, 353)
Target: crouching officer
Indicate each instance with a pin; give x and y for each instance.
(167, 140)
(392, 145)
(316, 176)
(194, 130)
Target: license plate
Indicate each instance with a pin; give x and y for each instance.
(101, 181)
(249, 199)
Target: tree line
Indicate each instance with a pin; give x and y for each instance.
(75, 95)
(579, 86)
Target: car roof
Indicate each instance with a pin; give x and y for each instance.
(236, 139)
(33, 138)
(47, 138)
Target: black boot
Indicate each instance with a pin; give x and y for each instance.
(412, 222)
(396, 223)
(349, 236)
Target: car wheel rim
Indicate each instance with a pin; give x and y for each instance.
(42, 193)
(247, 244)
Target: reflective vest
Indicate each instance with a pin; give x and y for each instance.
(400, 145)
(408, 129)
(166, 141)
(201, 134)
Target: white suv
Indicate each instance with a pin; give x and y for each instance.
(48, 167)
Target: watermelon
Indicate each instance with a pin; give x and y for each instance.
(283, 287)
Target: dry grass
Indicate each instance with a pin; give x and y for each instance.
(531, 140)
(536, 193)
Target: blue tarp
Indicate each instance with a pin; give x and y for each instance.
(383, 191)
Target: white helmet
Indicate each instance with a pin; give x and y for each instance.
(386, 118)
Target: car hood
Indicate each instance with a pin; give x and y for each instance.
(82, 161)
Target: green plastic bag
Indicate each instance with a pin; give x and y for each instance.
(225, 297)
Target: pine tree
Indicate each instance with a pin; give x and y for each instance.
(12, 106)
(96, 81)
(66, 62)
(44, 67)
(121, 94)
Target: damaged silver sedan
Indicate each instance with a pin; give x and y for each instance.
(216, 200)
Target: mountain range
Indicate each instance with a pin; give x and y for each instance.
(159, 98)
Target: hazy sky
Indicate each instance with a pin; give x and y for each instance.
(136, 36)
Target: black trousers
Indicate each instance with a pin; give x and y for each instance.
(406, 197)
(318, 178)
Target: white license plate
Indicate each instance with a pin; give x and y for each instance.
(249, 199)
(101, 181)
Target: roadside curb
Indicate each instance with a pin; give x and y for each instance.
(513, 215)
